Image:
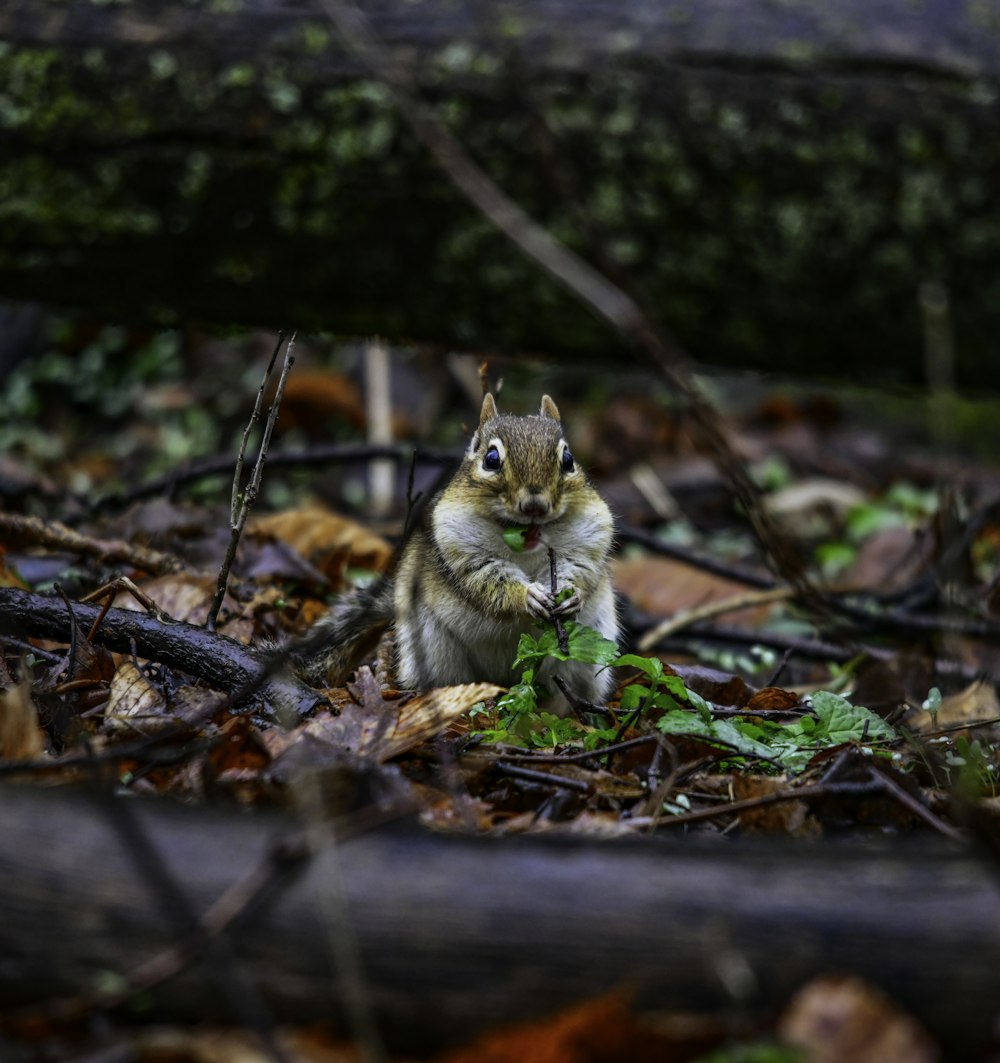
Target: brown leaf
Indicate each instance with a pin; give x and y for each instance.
(837, 1019)
(889, 559)
(593, 1031)
(313, 400)
(772, 699)
(21, 737)
(383, 729)
(8, 578)
(137, 708)
(660, 587)
(239, 748)
(785, 817)
(977, 702)
(183, 596)
(327, 540)
(378, 726)
(721, 688)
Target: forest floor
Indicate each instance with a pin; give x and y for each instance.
(861, 703)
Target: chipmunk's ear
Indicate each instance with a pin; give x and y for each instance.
(549, 409)
(489, 409)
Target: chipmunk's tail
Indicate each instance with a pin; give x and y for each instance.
(334, 646)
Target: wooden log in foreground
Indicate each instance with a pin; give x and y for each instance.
(459, 933)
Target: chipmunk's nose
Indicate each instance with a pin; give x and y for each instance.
(535, 505)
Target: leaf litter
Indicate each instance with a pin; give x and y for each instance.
(701, 737)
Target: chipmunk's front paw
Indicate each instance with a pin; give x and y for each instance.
(539, 601)
(568, 607)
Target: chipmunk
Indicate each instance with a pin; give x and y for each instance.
(460, 597)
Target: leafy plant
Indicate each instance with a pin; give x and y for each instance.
(520, 720)
(677, 709)
(972, 768)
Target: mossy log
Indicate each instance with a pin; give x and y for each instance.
(457, 934)
(777, 182)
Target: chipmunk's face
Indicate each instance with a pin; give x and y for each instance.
(523, 464)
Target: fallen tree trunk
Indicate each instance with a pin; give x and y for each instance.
(780, 183)
(456, 933)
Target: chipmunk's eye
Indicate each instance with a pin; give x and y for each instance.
(491, 460)
(567, 460)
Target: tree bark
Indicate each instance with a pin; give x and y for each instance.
(456, 933)
(778, 182)
(222, 662)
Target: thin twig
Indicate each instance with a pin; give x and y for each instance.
(316, 454)
(15, 527)
(567, 758)
(816, 649)
(908, 801)
(74, 631)
(241, 504)
(627, 533)
(576, 703)
(772, 679)
(561, 636)
(546, 778)
(685, 617)
(774, 798)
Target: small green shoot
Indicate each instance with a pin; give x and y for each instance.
(932, 703)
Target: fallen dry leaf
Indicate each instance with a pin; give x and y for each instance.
(594, 1031)
(21, 737)
(9, 578)
(327, 540)
(976, 703)
(175, 1044)
(138, 708)
(888, 559)
(186, 597)
(378, 726)
(661, 587)
(313, 399)
(836, 1019)
(382, 729)
(772, 699)
(785, 817)
(135, 706)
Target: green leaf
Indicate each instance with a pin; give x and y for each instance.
(844, 722)
(519, 700)
(598, 737)
(652, 667)
(681, 722)
(633, 696)
(586, 645)
(530, 649)
(556, 731)
(514, 538)
(676, 686)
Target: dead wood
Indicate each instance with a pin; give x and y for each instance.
(219, 661)
(458, 933)
(763, 173)
(18, 529)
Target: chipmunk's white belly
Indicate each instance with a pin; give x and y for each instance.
(441, 647)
